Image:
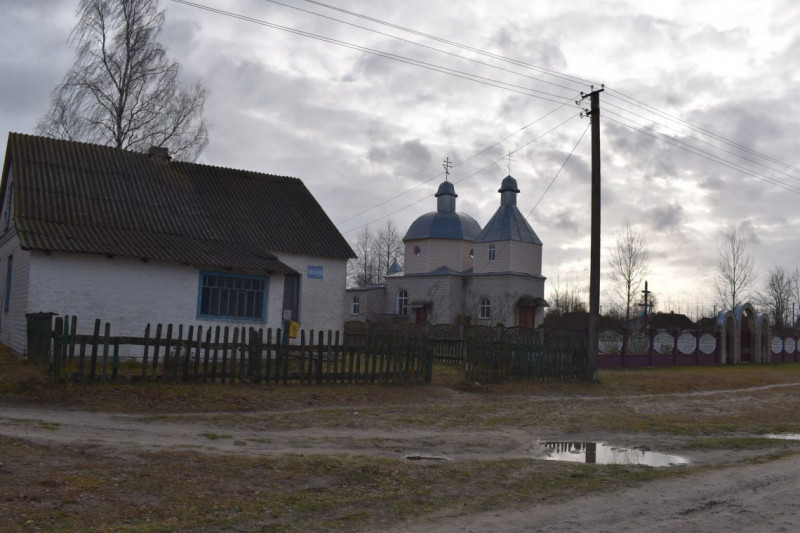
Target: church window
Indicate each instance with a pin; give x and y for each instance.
(417, 250)
(355, 306)
(402, 302)
(472, 253)
(485, 308)
(491, 252)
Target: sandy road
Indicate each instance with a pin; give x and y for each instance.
(751, 498)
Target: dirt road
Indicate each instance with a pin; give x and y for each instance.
(751, 497)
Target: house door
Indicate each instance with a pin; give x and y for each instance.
(420, 314)
(527, 316)
(291, 295)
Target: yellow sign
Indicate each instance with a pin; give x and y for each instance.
(294, 327)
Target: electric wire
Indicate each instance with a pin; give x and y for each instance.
(703, 154)
(470, 158)
(453, 54)
(456, 182)
(484, 80)
(610, 104)
(628, 99)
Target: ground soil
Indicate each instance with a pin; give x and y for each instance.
(751, 488)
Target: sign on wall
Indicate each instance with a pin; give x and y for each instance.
(314, 272)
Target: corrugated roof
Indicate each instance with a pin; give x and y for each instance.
(85, 198)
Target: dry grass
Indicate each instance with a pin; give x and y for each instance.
(94, 488)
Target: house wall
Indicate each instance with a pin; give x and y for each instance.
(128, 293)
(371, 303)
(320, 299)
(13, 324)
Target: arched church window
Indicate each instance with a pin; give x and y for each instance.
(485, 308)
(417, 250)
(355, 306)
(491, 252)
(402, 302)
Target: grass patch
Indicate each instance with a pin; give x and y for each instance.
(185, 490)
(214, 436)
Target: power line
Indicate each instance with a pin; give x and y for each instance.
(473, 156)
(701, 153)
(703, 141)
(456, 182)
(483, 63)
(484, 80)
(619, 95)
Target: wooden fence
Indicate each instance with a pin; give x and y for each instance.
(237, 354)
(497, 354)
(491, 354)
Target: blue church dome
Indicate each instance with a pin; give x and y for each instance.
(444, 223)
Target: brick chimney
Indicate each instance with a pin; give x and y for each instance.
(159, 154)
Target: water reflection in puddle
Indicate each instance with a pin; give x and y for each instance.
(783, 436)
(606, 454)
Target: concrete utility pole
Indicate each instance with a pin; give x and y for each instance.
(594, 266)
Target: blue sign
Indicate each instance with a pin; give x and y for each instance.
(314, 272)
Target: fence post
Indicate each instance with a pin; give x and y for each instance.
(146, 350)
(95, 341)
(106, 342)
(58, 331)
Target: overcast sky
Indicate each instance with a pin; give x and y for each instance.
(366, 132)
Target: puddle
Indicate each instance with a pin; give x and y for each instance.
(783, 436)
(605, 454)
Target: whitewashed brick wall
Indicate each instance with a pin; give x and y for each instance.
(129, 293)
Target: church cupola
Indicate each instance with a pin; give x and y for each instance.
(508, 191)
(446, 198)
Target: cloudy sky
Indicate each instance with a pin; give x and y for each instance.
(699, 117)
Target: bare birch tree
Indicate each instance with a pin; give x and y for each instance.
(361, 270)
(123, 90)
(777, 295)
(628, 266)
(388, 248)
(736, 271)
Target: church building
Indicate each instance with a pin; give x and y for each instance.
(457, 272)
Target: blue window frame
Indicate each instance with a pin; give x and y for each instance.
(232, 296)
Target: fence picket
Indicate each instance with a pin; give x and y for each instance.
(106, 344)
(156, 350)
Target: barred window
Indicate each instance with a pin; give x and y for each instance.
(232, 296)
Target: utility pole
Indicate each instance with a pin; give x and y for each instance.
(594, 266)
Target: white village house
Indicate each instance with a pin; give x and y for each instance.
(133, 238)
(457, 272)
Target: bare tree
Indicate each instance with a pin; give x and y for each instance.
(777, 294)
(123, 90)
(736, 269)
(565, 293)
(628, 267)
(388, 248)
(361, 270)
